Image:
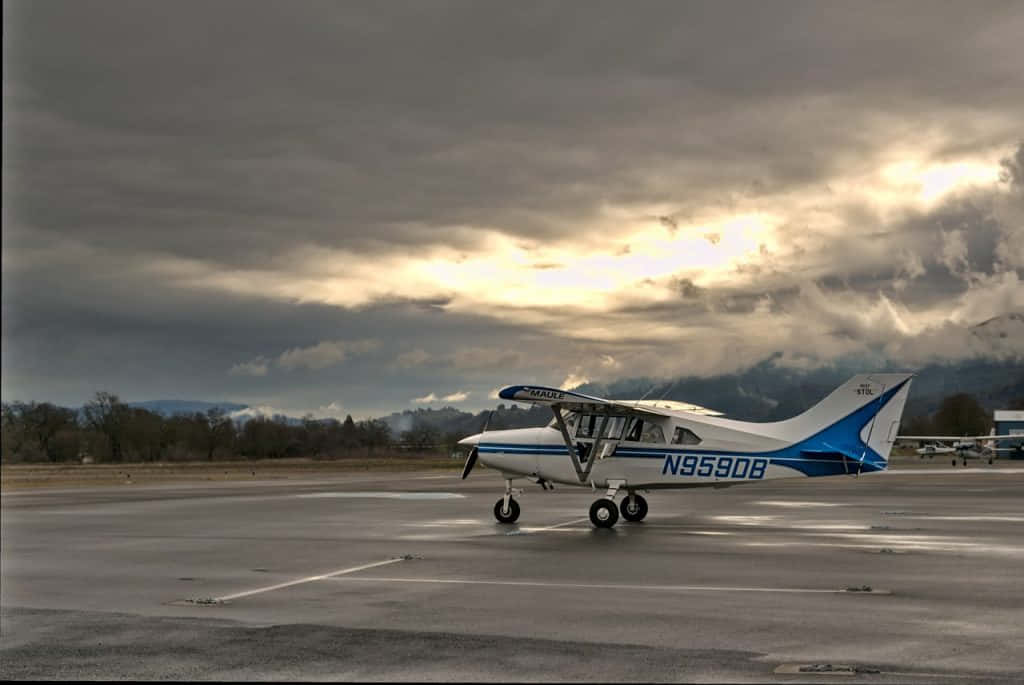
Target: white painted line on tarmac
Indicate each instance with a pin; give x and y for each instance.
(607, 586)
(379, 494)
(979, 517)
(308, 579)
(796, 504)
(947, 471)
(557, 525)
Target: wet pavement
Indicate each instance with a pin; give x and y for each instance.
(903, 575)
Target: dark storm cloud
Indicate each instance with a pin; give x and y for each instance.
(157, 125)
(140, 135)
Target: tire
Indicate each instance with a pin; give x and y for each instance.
(513, 511)
(604, 513)
(633, 508)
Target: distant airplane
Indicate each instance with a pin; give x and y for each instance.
(963, 447)
(641, 445)
(931, 449)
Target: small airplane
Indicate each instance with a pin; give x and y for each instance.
(931, 449)
(641, 445)
(963, 448)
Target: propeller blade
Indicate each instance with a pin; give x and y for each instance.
(470, 463)
(487, 421)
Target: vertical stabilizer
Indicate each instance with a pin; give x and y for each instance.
(856, 394)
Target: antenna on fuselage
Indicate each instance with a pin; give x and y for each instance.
(670, 386)
(645, 395)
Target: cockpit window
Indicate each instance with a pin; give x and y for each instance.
(685, 436)
(570, 418)
(590, 423)
(643, 431)
(587, 426)
(635, 430)
(652, 433)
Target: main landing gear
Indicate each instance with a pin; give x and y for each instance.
(633, 508)
(604, 513)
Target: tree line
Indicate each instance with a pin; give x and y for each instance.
(957, 415)
(109, 430)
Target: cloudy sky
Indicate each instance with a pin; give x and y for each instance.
(364, 207)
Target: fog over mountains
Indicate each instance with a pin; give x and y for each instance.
(766, 392)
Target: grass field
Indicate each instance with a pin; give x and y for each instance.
(24, 476)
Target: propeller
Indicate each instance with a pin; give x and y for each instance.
(470, 463)
(471, 459)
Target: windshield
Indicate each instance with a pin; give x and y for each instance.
(570, 418)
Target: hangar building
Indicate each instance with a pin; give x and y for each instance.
(1009, 422)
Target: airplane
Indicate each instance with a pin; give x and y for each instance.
(931, 449)
(964, 448)
(642, 445)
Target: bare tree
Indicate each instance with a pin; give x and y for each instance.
(43, 421)
(12, 430)
(218, 430)
(106, 414)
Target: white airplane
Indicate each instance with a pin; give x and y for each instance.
(637, 445)
(931, 449)
(964, 448)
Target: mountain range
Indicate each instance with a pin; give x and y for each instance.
(767, 391)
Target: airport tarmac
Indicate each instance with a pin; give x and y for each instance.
(408, 577)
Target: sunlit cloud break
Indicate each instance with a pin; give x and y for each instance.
(458, 396)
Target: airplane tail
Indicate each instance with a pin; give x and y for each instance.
(858, 420)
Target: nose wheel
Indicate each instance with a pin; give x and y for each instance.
(506, 509)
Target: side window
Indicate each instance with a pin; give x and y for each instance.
(590, 423)
(685, 436)
(587, 426)
(652, 433)
(614, 428)
(635, 430)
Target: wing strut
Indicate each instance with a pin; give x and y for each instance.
(582, 469)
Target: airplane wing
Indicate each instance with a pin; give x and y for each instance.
(575, 401)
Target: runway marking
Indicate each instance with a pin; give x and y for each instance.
(309, 579)
(947, 471)
(607, 586)
(379, 494)
(978, 517)
(796, 504)
(557, 525)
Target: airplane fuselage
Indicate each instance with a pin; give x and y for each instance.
(540, 453)
(631, 446)
(727, 452)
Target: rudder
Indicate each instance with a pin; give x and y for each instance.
(850, 397)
